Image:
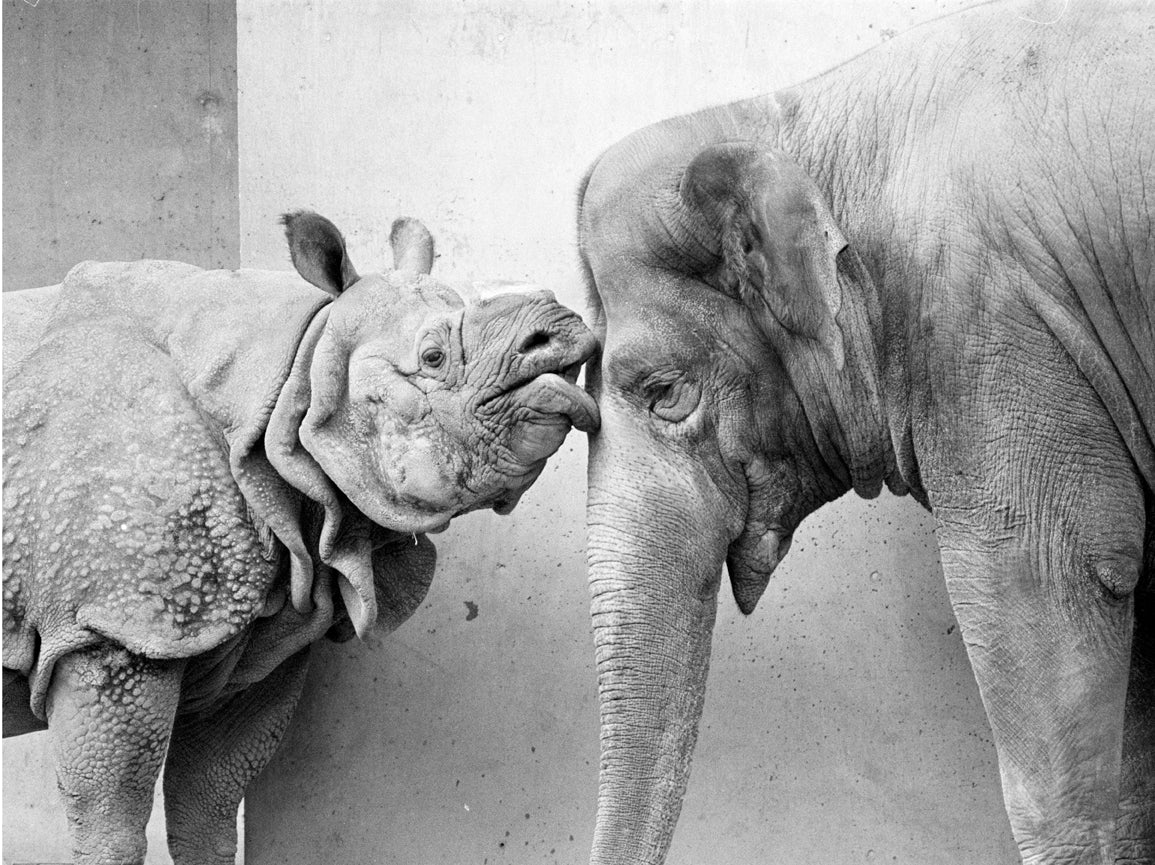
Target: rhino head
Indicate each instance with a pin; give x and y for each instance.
(424, 402)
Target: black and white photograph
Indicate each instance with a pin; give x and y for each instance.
(641, 432)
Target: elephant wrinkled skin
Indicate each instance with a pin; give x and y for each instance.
(930, 268)
(207, 471)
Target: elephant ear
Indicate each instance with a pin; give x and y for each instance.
(778, 238)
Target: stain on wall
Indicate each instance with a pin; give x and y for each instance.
(120, 134)
(842, 722)
(120, 142)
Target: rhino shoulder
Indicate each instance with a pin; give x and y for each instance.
(122, 518)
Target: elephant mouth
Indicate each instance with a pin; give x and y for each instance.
(751, 560)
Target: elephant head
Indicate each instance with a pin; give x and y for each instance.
(423, 404)
(738, 392)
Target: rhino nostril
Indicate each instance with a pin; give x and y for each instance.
(537, 339)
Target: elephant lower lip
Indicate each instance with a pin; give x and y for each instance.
(751, 561)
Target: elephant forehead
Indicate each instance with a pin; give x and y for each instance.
(629, 290)
(688, 320)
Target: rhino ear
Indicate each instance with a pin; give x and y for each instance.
(318, 251)
(412, 245)
(778, 238)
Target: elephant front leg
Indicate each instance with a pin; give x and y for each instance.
(1136, 830)
(1041, 520)
(110, 713)
(213, 757)
(1051, 661)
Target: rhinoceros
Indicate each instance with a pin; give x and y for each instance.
(206, 471)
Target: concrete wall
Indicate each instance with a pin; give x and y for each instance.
(842, 722)
(120, 142)
(119, 134)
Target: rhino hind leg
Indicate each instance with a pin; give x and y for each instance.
(214, 755)
(110, 714)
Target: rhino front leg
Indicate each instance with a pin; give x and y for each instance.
(110, 714)
(213, 757)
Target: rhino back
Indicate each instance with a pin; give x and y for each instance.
(123, 520)
(121, 516)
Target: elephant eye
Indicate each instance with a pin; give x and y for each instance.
(674, 401)
(433, 357)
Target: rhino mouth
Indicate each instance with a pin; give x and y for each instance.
(553, 391)
(548, 405)
(558, 394)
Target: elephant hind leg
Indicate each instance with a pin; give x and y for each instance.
(110, 714)
(213, 757)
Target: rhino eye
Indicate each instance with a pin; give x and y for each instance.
(433, 358)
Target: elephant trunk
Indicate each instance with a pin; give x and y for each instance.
(655, 563)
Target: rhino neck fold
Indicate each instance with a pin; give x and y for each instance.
(319, 525)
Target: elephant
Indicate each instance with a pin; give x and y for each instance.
(932, 269)
(207, 471)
